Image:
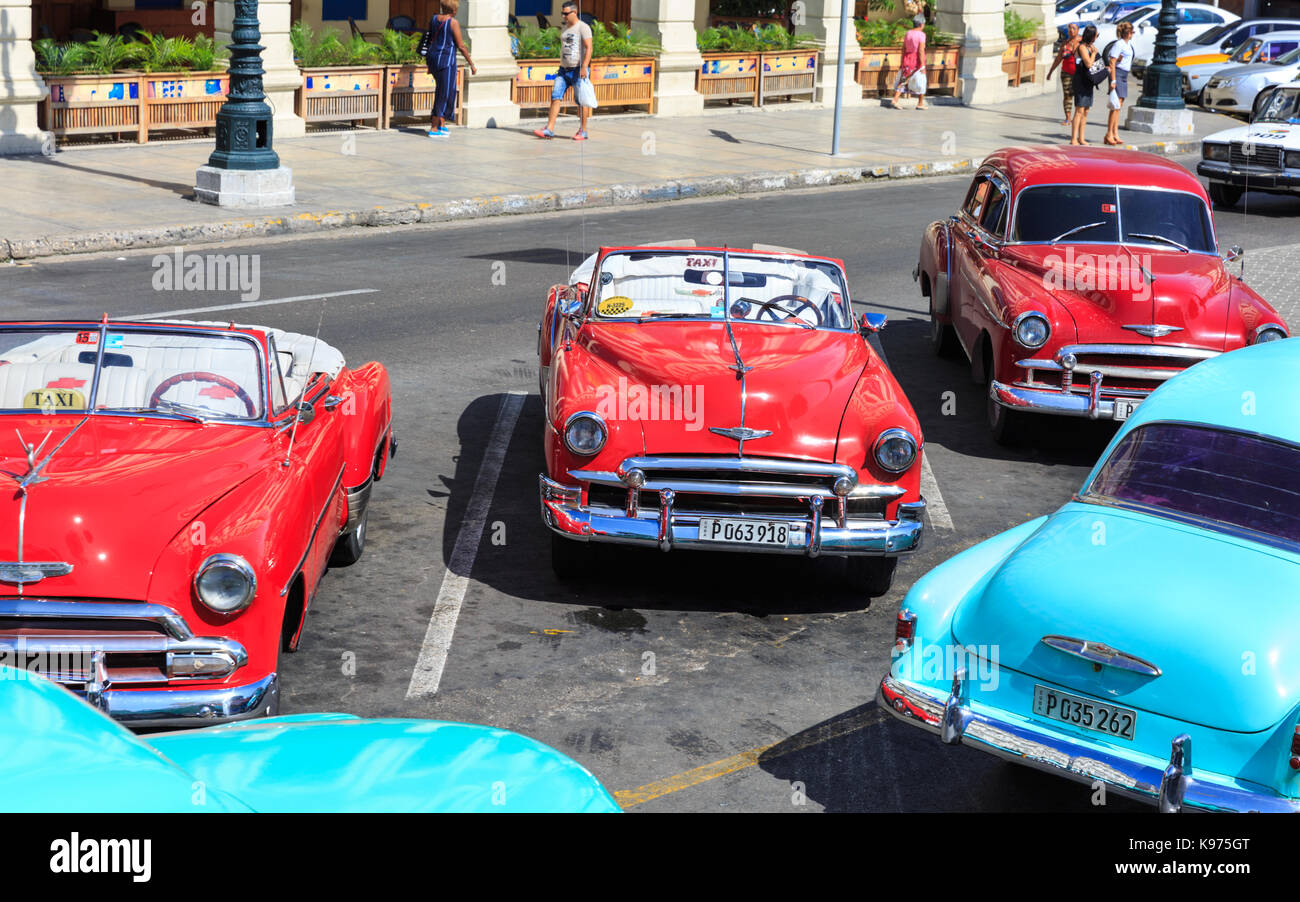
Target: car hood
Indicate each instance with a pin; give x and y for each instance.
(1191, 292)
(1236, 70)
(1283, 133)
(1224, 635)
(798, 384)
(115, 494)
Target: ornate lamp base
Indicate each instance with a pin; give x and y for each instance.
(244, 187)
(1151, 121)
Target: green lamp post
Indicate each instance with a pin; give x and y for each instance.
(244, 121)
(1162, 86)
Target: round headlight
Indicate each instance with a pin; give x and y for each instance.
(895, 450)
(1269, 333)
(225, 583)
(1032, 329)
(585, 433)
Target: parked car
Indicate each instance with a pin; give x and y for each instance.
(1078, 279)
(724, 399)
(62, 755)
(1262, 156)
(1262, 50)
(1090, 644)
(1220, 42)
(1235, 89)
(179, 489)
(1110, 12)
(1194, 19)
(1068, 11)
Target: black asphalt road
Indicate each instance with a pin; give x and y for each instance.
(706, 682)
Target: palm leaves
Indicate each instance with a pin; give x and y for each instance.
(59, 59)
(111, 53)
(108, 53)
(396, 47)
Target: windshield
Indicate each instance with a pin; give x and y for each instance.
(1288, 58)
(1246, 52)
(1219, 478)
(179, 374)
(1093, 214)
(635, 285)
(1282, 105)
(1214, 34)
(1139, 13)
(1064, 6)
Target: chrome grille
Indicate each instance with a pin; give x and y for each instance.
(1264, 156)
(1126, 370)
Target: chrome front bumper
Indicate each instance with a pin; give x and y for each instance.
(1173, 789)
(671, 527)
(186, 708)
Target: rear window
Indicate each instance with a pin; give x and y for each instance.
(1221, 479)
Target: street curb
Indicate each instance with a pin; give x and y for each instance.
(597, 197)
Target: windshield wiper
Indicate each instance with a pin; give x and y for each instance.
(172, 408)
(1182, 247)
(1068, 233)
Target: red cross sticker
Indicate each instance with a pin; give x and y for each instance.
(66, 382)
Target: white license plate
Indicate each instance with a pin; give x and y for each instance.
(1084, 712)
(778, 533)
(1124, 407)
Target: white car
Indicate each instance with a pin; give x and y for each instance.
(1261, 50)
(1068, 11)
(1234, 89)
(1262, 156)
(1220, 42)
(1194, 19)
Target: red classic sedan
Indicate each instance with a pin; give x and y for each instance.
(175, 493)
(714, 398)
(1076, 280)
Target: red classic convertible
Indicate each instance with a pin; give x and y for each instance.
(1077, 280)
(713, 398)
(177, 491)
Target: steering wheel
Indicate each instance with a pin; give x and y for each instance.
(800, 302)
(195, 376)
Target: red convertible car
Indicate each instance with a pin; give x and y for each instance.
(176, 493)
(1077, 280)
(712, 398)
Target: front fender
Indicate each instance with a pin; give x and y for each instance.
(367, 412)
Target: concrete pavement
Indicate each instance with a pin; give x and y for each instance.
(111, 197)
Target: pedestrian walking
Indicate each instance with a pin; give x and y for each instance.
(575, 63)
(1119, 61)
(1085, 58)
(911, 73)
(444, 40)
(1065, 59)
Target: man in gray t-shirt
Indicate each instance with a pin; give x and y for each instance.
(575, 63)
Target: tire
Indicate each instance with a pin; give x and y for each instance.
(872, 576)
(1224, 196)
(349, 547)
(570, 559)
(1008, 427)
(943, 340)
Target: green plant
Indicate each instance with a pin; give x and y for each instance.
(53, 58)
(878, 33)
(361, 52)
(108, 53)
(538, 43)
(162, 54)
(619, 40)
(397, 48)
(314, 51)
(1016, 27)
(727, 40)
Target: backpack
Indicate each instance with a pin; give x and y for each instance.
(1105, 51)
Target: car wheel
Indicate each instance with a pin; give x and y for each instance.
(1008, 426)
(570, 559)
(349, 546)
(1223, 196)
(943, 340)
(872, 576)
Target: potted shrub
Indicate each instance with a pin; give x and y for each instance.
(788, 64)
(882, 57)
(1021, 55)
(732, 64)
(341, 81)
(409, 86)
(623, 67)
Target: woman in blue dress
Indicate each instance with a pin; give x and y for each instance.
(444, 41)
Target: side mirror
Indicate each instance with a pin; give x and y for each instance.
(570, 307)
(872, 322)
(1234, 253)
(306, 413)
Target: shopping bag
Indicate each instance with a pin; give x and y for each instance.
(585, 94)
(1112, 100)
(916, 84)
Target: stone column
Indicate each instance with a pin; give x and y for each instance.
(487, 94)
(672, 24)
(283, 77)
(1044, 12)
(821, 19)
(979, 22)
(21, 89)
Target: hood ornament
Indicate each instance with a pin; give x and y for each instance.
(740, 433)
(1153, 330)
(24, 572)
(1098, 654)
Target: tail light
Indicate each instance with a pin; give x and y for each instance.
(1295, 749)
(905, 632)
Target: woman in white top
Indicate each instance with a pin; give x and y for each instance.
(1119, 62)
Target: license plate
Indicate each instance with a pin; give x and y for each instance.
(1084, 712)
(1124, 407)
(778, 533)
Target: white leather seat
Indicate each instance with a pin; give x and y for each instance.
(18, 380)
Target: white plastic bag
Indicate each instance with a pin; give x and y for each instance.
(1113, 101)
(585, 94)
(916, 84)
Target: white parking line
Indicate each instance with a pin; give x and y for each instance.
(243, 304)
(442, 624)
(934, 505)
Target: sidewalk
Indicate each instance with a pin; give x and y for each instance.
(121, 196)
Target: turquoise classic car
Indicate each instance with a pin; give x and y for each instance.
(57, 753)
(1151, 616)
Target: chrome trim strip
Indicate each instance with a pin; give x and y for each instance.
(165, 618)
(191, 707)
(358, 500)
(311, 540)
(769, 465)
(1053, 401)
(1174, 351)
(23, 572)
(1098, 653)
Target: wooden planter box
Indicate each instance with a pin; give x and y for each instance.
(787, 74)
(1019, 60)
(878, 69)
(133, 102)
(618, 82)
(730, 76)
(342, 94)
(409, 90)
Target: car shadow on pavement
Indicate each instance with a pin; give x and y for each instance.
(514, 553)
(866, 760)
